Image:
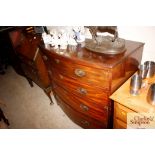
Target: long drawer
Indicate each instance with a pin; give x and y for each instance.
(78, 118)
(80, 89)
(81, 73)
(91, 109)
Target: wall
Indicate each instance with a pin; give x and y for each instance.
(144, 34)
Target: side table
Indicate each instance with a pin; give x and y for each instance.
(125, 103)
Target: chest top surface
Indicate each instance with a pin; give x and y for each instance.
(137, 103)
(98, 60)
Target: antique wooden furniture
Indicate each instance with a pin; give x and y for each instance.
(5, 48)
(4, 123)
(125, 103)
(2, 117)
(25, 43)
(82, 81)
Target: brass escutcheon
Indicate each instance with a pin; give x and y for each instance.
(79, 72)
(84, 107)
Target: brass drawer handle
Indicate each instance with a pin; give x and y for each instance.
(86, 123)
(57, 61)
(30, 63)
(21, 38)
(82, 91)
(49, 71)
(61, 76)
(34, 71)
(45, 57)
(106, 108)
(84, 107)
(79, 72)
(123, 113)
(54, 86)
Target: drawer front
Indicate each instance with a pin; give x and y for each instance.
(78, 118)
(91, 109)
(81, 73)
(81, 90)
(118, 124)
(121, 112)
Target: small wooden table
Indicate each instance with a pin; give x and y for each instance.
(125, 103)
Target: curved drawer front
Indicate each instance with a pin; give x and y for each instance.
(91, 109)
(81, 73)
(78, 118)
(81, 90)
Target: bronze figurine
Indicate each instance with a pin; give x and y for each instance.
(105, 44)
(110, 29)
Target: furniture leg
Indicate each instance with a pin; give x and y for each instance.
(3, 117)
(30, 81)
(48, 93)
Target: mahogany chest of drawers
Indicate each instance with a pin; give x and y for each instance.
(30, 60)
(82, 81)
